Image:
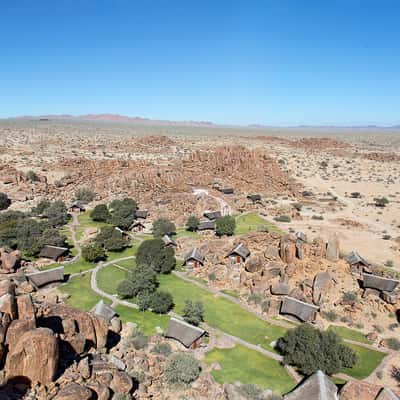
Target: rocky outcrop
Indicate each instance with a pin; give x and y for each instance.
(73, 391)
(287, 249)
(34, 355)
(332, 249)
(9, 262)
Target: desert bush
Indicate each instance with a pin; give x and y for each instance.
(378, 328)
(330, 315)
(349, 297)
(193, 313)
(212, 276)
(181, 369)
(84, 195)
(317, 217)
(389, 263)
(283, 218)
(162, 348)
(254, 298)
(250, 391)
(393, 343)
(32, 176)
(192, 224)
(265, 305)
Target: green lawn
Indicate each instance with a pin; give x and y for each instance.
(128, 252)
(351, 334)
(251, 222)
(248, 366)
(367, 361)
(109, 277)
(221, 313)
(86, 222)
(147, 321)
(81, 295)
(182, 232)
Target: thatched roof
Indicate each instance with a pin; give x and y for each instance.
(226, 190)
(77, 205)
(141, 214)
(317, 387)
(168, 241)
(254, 197)
(212, 215)
(194, 254)
(44, 277)
(354, 258)
(240, 250)
(386, 394)
(103, 310)
(137, 223)
(379, 283)
(53, 252)
(183, 332)
(301, 310)
(206, 225)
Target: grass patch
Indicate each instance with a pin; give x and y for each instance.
(109, 277)
(251, 222)
(367, 361)
(232, 293)
(86, 222)
(182, 232)
(147, 321)
(351, 334)
(81, 295)
(221, 313)
(248, 366)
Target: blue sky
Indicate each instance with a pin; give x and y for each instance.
(283, 62)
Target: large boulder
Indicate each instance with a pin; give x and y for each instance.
(280, 289)
(10, 261)
(320, 285)
(25, 307)
(121, 383)
(35, 356)
(287, 249)
(74, 391)
(333, 248)
(319, 247)
(254, 264)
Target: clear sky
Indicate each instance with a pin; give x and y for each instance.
(282, 62)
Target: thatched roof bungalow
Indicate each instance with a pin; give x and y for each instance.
(304, 312)
(53, 252)
(41, 278)
(379, 283)
(187, 334)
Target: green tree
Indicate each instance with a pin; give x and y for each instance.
(143, 279)
(53, 237)
(5, 202)
(163, 227)
(125, 289)
(84, 195)
(181, 369)
(192, 224)
(93, 252)
(161, 302)
(28, 235)
(225, 226)
(41, 207)
(310, 350)
(32, 176)
(143, 300)
(111, 239)
(193, 313)
(57, 214)
(154, 254)
(100, 213)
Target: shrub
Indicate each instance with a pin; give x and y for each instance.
(310, 349)
(125, 289)
(225, 226)
(93, 252)
(349, 297)
(283, 218)
(265, 305)
(143, 300)
(317, 217)
(378, 328)
(123, 212)
(250, 391)
(111, 239)
(330, 315)
(143, 279)
(393, 343)
(84, 195)
(193, 313)
(100, 213)
(181, 369)
(5, 202)
(139, 340)
(255, 298)
(212, 276)
(161, 302)
(381, 201)
(163, 227)
(389, 263)
(192, 224)
(32, 176)
(162, 348)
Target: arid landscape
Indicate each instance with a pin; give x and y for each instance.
(149, 259)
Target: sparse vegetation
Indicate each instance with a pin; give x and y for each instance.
(181, 369)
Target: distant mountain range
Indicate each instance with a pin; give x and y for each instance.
(115, 118)
(147, 121)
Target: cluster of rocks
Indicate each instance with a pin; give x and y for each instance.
(9, 262)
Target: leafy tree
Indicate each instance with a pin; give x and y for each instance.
(154, 254)
(161, 302)
(111, 239)
(225, 226)
(28, 235)
(143, 279)
(193, 313)
(192, 224)
(181, 369)
(4, 201)
(126, 202)
(163, 227)
(84, 195)
(310, 350)
(41, 207)
(100, 213)
(143, 300)
(93, 252)
(8, 234)
(125, 289)
(122, 217)
(53, 237)
(57, 214)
